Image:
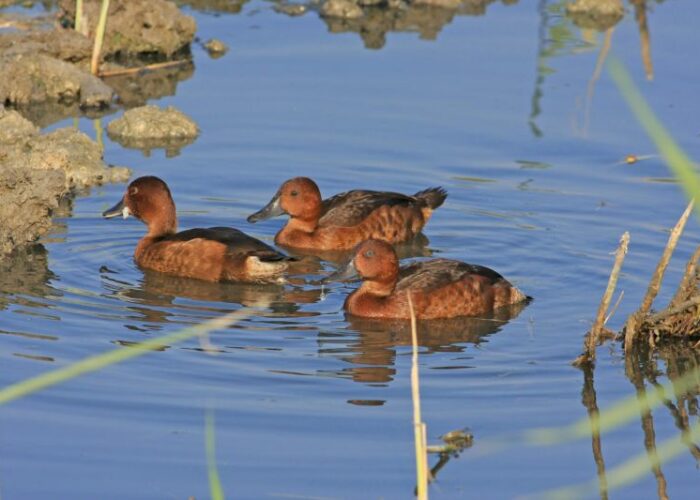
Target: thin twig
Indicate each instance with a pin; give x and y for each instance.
(688, 277)
(148, 67)
(614, 308)
(636, 319)
(592, 337)
(655, 283)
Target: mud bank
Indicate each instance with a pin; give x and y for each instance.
(36, 170)
(44, 75)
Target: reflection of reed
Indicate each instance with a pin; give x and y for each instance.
(635, 360)
(589, 400)
(679, 361)
(602, 56)
(640, 14)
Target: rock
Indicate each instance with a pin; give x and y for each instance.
(152, 122)
(345, 9)
(216, 48)
(68, 151)
(291, 9)
(64, 44)
(137, 27)
(14, 127)
(28, 197)
(36, 78)
(37, 170)
(150, 127)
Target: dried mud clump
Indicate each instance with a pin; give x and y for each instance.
(14, 127)
(40, 36)
(28, 197)
(36, 78)
(68, 151)
(149, 127)
(37, 170)
(137, 27)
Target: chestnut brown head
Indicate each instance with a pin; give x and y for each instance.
(149, 200)
(298, 197)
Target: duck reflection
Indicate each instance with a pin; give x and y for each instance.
(310, 260)
(374, 353)
(158, 298)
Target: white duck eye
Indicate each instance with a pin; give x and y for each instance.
(369, 253)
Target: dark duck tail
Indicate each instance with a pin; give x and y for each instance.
(432, 197)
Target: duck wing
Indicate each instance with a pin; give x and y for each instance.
(237, 242)
(352, 207)
(432, 274)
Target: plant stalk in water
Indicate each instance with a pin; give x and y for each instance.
(78, 15)
(419, 431)
(99, 37)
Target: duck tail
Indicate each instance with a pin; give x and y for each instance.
(432, 197)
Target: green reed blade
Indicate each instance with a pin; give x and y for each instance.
(215, 490)
(679, 163)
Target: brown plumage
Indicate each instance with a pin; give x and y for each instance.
(211, 254)
(346, 219)
(439, 288)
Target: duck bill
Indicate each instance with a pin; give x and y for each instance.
(345, 273)
(119, 209)
(272, 209)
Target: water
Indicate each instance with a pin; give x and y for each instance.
(306, 403)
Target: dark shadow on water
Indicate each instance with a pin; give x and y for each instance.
(373, 354)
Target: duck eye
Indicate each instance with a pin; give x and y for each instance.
(294, 193)
(133, 190)
(369, 253)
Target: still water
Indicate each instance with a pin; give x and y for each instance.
(501, 110)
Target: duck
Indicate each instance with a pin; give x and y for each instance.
(439, 288)
(211, 254)
(343, 221)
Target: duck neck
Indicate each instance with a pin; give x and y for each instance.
(306, 225)
(377, 288)
(157, 229)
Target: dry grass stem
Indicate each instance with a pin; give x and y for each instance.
(592, 337)
(688, 284)
(636, 319)
(419, 428)
(146, 68)
(99, 37)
